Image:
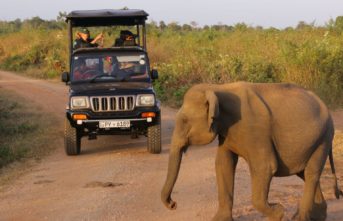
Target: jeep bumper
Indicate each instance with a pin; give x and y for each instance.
(114, 123)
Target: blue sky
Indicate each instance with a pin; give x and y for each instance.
(266, 13)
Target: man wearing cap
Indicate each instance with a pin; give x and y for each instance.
(83, 39)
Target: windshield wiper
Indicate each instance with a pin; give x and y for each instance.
(92, 80)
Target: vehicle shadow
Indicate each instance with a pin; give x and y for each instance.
(122, 143)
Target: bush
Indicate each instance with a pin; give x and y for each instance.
(41, 54)
(24, 130)
(318, 65)
(261, 72)
(12, 129)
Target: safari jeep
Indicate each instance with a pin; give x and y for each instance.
(111, 89)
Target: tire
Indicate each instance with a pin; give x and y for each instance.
(154, 137)
(72, 139)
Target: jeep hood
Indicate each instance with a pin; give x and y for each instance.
(109, 87)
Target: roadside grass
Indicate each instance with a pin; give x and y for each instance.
(40, 54)
(310, 56)
(25, 134)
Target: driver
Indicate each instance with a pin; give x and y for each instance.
(81, 71)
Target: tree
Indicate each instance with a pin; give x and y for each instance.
(174, 26)
(35, 22)
(61, 17)
(241, 26)
(186, 27)
(162, 25)
(304, 25)
(194, 24)
(338, 25)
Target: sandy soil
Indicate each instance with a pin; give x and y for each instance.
(116, 179)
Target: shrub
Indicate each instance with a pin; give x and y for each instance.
(318, 65)
(24, 130)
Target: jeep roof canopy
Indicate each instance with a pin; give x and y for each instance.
(107, 17)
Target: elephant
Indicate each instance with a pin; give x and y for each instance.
(279, 129)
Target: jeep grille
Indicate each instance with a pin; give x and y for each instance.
(112, 103)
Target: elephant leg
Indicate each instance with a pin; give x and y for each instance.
(319, 207)
(312, 191)
(318, 212)
(260, 189)
(226, 162)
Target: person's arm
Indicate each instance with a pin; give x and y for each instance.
(78, 35)
(97, 38)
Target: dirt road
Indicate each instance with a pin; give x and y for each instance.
(116, 179)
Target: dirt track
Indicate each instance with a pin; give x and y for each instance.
(116, 179)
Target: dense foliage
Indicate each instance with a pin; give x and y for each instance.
(187, 54)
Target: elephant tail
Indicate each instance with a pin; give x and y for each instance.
(337, 190)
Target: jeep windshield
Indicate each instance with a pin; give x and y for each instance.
(109, 66)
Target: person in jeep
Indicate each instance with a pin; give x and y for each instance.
(126, 38)
(82, 71)
(83, 39)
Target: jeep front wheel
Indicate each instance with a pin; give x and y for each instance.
(72, 139)
(154, 137)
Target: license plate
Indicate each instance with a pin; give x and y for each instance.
(114, 124)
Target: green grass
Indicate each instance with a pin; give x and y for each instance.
(25, 130)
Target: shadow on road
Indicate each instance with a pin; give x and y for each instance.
(105, 144)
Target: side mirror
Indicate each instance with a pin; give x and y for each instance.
(154, 74)
(65, 77)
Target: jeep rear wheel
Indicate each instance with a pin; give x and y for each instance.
(72, 139)
(154, 137)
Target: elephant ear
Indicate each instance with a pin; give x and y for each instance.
(213, 111)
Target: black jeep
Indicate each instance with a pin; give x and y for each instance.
(111, 88)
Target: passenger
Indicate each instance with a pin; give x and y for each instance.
(110, 65)
(83, 39)
(126, 65)
(127, 38)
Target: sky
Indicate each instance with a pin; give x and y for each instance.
(266, 13)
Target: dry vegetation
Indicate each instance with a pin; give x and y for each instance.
(24, 129)
(185, 55)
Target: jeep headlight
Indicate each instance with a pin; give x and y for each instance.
(79, 102)
(145, 100)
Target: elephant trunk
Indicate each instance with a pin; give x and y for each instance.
(175, 157)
